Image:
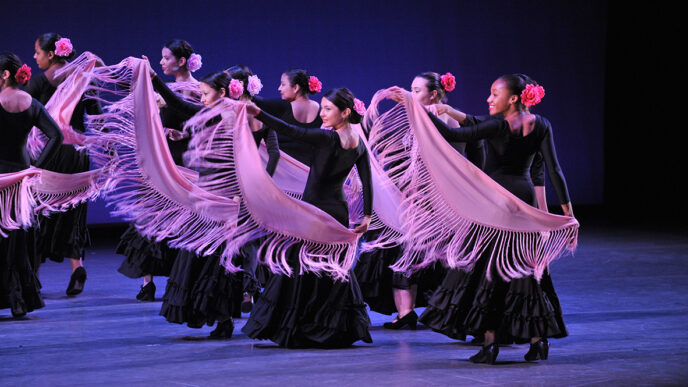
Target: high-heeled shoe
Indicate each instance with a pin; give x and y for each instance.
(486, 355)
(410, 319)
(223, 330)
(147, 292)
(76, 281)
(539, 350)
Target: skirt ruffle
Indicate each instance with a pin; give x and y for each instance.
(200, 291)
(309, 311)
(144, 256)
(65, 234)
(468, 303)
(19, 285)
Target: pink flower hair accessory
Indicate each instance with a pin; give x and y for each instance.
(194, 63)
(359, 106)
(63, 47)
(532, 95)
(236, 89)
(23, 74)
(448, 82)
(314, 84)
(254, 85)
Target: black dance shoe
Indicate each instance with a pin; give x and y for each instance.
(410, 319)
(77, 281)
(19, 311)
(147, 293)
(539, 350)
(247, 304)
(223, 331)
(486, 355)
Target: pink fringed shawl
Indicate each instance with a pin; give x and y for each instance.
(30, 191)
(25, 193)
(61, 105)
(452, 210)
(235, 200)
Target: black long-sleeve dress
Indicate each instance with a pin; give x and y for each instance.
(296, 148)
(467, 302)
(199, 291)
(19, 286)
(65, 234)
(373, 271)
(307, 310)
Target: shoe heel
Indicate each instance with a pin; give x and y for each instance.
(544, 353)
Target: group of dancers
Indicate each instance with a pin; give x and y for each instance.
(296, 211)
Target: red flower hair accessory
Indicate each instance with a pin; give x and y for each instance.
(314, 84)
(532, 95)
(448, 82)
(23, 74)
(63, 47)
(236, 89)
(359, 106)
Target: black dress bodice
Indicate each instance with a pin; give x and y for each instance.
(15, 129)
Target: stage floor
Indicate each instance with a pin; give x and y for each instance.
(624, 295)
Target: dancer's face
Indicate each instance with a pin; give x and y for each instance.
(209, 95)
(420, 92)
(331, 115)
(286, 90)
(500, 99)
(42, 57)
(169, 63)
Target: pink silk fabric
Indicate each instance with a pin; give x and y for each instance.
(33, 190)
(233, 203)
(61, 105)
(452, 210)
(161, 198)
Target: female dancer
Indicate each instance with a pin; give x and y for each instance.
(306, 310)
(383, 290)
(295, 108)
(199, 290)
(19, 286)
(63, 235)
(146, 258)
(522, 309)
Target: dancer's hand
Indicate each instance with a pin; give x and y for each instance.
(160, 101)
(176, 135)
(252, 109)
(397, 94)
(440, 108)
(150, 69)
(363, 227)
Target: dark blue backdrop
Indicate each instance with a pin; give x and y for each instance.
(366, 45)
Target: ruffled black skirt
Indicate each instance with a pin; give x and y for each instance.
(469, 303)
(65, 234)
(144, 256)
(19, 286)
(309, 311)
(200, 291)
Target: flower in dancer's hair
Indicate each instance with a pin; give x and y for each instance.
(448, 82)
(532, 95)
(359, 106)
(23, 74)
(63, 47)
(194, 63)
(236, 89)
(314, 84)
(254, 85)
